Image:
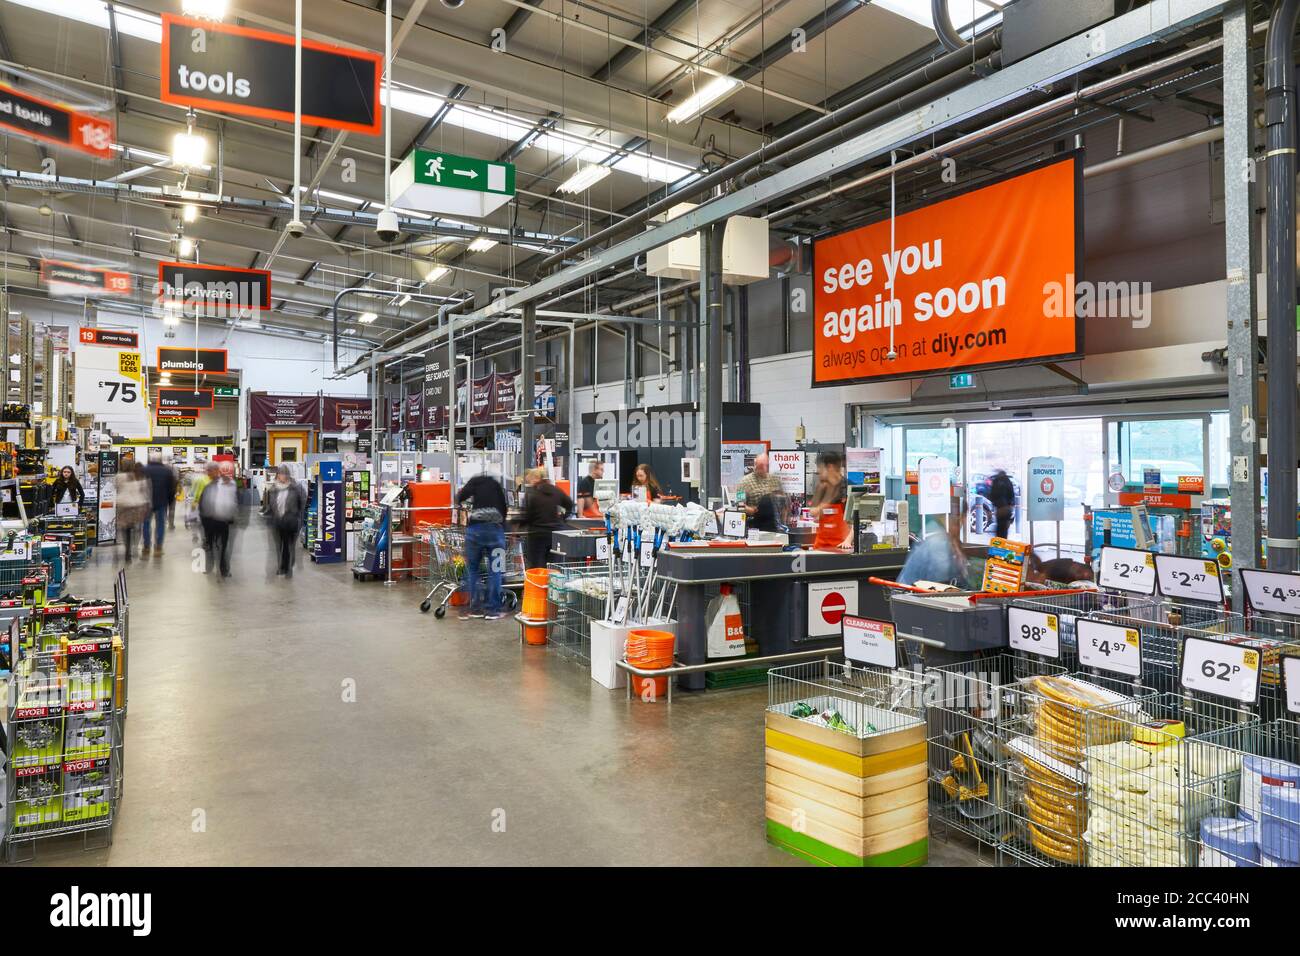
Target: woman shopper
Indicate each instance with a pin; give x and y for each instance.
(284, 507)
(545, 508)
(132, 503)
(645, 487)
(66, 488)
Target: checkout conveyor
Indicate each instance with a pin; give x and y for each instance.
(780, 583)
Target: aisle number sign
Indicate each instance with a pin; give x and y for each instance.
(1109, 647)
(871, 642)
(1231, 671)
(1034, 632)
(1127, 570)
(1192, 579)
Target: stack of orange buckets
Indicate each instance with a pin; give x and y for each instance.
(650, 650)
(535, 607)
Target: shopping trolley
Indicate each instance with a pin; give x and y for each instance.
(444, 550)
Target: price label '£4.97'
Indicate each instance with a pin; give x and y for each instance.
(1034, 632)
(1123, 569)
(1273, 592)
(1192, 579)
(1221, 669)
(1109, 647)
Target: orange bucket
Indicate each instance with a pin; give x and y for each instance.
(651, 650)
(535, 634)
(535, 583)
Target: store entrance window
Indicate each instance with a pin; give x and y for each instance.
(1175, 446)
(923, 441)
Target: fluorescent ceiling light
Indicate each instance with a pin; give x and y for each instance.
(189, 150)
(171, 313)
(365, 318)
(704, 97)
(436, 273)
(482, 244)
(404, 300)
(189, 212)
(207, 9)
(584, 179)
(133, 23)
(918, 11)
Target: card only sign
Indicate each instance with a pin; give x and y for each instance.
(250, 73)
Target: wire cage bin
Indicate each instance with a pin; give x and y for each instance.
(846, 764)
(1250, 812)
(65, 772)
(1152, 776)
(1068, 608)
(1048, 723)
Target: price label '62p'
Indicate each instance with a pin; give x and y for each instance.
(1221, 670)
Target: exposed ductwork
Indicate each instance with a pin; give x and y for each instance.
(943, 27)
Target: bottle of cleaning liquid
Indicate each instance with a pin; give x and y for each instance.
(726, 625)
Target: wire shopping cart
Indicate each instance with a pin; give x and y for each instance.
(444, 550)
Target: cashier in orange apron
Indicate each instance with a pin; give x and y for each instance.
(833, 532)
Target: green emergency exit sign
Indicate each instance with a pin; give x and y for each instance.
(961, 380)
(225, 391)
(431, 181)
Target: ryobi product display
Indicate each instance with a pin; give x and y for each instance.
(37, 796)
(87, 789)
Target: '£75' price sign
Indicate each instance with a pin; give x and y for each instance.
(120, 393)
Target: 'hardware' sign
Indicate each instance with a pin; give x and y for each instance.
(226, 288)
(231, 69)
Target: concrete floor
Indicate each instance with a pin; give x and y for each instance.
(462, 747)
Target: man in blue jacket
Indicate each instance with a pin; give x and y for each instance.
(162, 492)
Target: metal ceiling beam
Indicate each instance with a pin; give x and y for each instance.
(815, 27)
(646, 37)
(1124, 34)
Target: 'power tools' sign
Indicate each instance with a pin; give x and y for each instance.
(231, 69)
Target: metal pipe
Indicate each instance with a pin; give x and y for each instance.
(1212, 135)
(1280, 269)
(943, 27)
(711, 318)
(1044, 109)
(942, 65)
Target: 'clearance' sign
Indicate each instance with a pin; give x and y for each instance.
(965, 286)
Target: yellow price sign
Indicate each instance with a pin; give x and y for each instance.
(128, 363)
(1251, 660)
(1131, 637)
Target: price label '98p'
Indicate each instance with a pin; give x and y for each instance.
(1035, 632)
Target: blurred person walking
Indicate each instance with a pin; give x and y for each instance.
(545, 508)
(217, 509)
(1002, 496)
(162, 495)
(284, 508)
(176, 483)
(132, 503)
(485, 540)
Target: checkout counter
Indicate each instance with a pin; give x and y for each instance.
(796, 597)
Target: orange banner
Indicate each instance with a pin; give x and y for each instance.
(985, 278)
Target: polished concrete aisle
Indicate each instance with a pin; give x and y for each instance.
(461, 746)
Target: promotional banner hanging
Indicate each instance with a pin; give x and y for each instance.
(49, 122)
(414, 412)
(481, 397)
(395, 413)
(110, 386)
(230, 69)
(266, 410)
(346, 414)
(503, 397)
(983, 279)
(71, 278)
